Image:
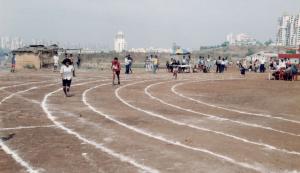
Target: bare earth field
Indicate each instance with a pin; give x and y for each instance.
(216, 123)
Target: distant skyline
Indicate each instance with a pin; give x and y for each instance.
(157, 23)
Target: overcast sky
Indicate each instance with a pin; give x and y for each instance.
(158, 23)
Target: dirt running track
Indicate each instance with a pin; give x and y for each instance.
(151, 123)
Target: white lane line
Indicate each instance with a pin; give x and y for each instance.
(28, 83)
(13, 94)
(11, 152)
(30, 89)
(25, 127)
(91, 142)
(163, 139)
(228, 109)
(193, 126)
(17, 158)
(217, 118)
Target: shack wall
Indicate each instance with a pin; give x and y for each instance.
(24, 60)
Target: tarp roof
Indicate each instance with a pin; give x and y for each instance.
(290, 56)
(180, 51)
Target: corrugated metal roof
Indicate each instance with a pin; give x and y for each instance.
(37, 49)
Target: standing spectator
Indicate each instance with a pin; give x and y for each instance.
(218, 64)
(72, 64)
(127, 65)
(262, 66)
(116, 69)
(294, 71)
(78, 61)
(55, 60)
(147, 64)
(13, 63)
(130, 63)
(243, 67)
(222, 66)
(155, 64)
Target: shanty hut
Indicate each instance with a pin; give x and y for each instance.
(35, 56)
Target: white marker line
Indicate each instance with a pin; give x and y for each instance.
(160, 138)
(17, 158)
(9, 151)
(193, 126)
(232, 110)
(216, 118)
(19, 92)
(25, 127)
(28, 83)
(95, 144)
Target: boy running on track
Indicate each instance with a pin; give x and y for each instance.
(66, 72)
(175, 68)
(116, 68)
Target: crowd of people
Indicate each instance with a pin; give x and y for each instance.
(284, 70)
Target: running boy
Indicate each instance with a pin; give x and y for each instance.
(116, 68)
(66, 72)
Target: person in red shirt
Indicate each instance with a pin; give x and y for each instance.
(116, 68)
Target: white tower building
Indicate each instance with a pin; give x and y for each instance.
(288, 33)
(120, 42)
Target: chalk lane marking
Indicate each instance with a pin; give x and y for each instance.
(11, 152)
(216, 118)
(30, 89)
(93, 143)
(160, 138)
(17, 158)
(193, 126)
(173, 89)
(23, 84)
(26, 127)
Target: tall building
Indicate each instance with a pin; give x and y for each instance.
(120, 42)
(288, 31)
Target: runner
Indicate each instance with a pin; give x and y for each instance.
(13, 63)
(55, 60)
(66, 72)
(116, 68)
(175, 68)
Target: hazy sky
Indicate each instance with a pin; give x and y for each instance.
(158, 23)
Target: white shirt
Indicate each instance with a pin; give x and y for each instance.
(67, 72)
(127, 61)
(55, 59)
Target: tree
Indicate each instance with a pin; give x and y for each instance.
(269, 42)
(225, 44)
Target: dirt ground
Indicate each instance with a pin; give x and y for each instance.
(219, 123)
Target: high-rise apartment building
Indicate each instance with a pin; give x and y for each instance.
(288, 31)
(120, 42)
